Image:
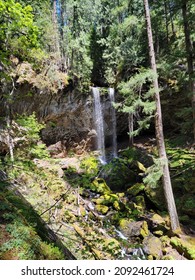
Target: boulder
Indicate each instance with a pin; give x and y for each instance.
(153, 246)
(134, 229)
(184, 247)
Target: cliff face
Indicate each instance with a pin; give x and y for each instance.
(68, 116)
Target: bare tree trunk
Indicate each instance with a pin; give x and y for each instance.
(166, 22)
(9, 137)
(8, 122)
(130, 121)
(56, 33)
(159, 130)
(171, 19)
(189, 53)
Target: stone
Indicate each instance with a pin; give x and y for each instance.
(153, 246)
(56, 149)
(102, 209)
(134, 229)
(184, 247)
(135, 189)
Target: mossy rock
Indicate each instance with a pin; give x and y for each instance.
(158, 233)
(123, 223)
(134, 229)
(111, 245)
(102, 208)
(99, 185)
(140, 202)
(156, 196)
(157, 220)
(136, 154)
(153, 246)
(136, 189)
(118, 175)
(184, 247)
(107, 199)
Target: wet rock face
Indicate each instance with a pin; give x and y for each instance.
(68, 116)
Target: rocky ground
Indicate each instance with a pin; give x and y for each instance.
(108, 212)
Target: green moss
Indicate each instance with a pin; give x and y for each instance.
(100, 186)
(184, 247)
(90, 165)
(102, 208)
(144, 230)
(136, 189)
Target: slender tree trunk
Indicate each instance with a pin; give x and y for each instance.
(130, 121)
(56, 33)
(166, 22)
(159, 130)
(189, 53)
(171, 19)
(9, 122)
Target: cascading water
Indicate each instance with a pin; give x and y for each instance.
(99, 124)
(113, 118)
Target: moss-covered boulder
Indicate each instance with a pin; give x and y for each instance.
(184, 247)
(103, 209)
(156, 196)
(134, 229)
(158, 224)
(136, 189)
(140, 202)
(110, 199)
(153, 246)
(118, 175)
(99, 185)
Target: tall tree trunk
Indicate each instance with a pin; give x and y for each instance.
(189, 53)
(159, 130)
(55, 24)
(130, 121)
(166, 22)
(171, 19)
(9, 121)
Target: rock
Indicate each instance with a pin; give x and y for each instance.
(102, 209)
(110, 199)
(56, 149)
(153, 246)
(156, 196)
(140, 202)
(71, 162)
(157, 220)
(184, 247)
(172, 254)
(119, 175)
(100, 186)
(133, 229)
(136, 189)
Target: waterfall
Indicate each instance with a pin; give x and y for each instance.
(113, 119)
(99, 124)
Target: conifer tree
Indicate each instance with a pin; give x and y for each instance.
(159, 130)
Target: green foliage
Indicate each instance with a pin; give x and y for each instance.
(18, 32)
(138, 98)
(90, 165)
(154, 173)
(30, 135)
